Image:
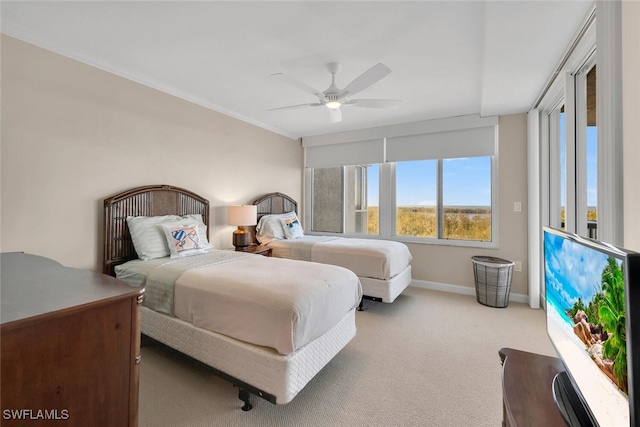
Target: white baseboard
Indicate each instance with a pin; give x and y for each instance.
(465, 290)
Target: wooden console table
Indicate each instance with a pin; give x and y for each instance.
(70, 345)
(527, 399)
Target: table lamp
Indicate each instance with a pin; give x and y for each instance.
(243, 216)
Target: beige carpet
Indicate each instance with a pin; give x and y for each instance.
(428, 359)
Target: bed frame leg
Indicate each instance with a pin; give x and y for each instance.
(244, 395)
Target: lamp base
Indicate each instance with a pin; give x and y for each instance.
(241, 238)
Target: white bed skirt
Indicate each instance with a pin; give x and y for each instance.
(261, 367)
(386, 290)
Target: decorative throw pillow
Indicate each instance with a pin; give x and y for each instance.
(183, 240)
(292, 228)
(202, 230)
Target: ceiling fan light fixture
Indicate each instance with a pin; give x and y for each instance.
(333, 97)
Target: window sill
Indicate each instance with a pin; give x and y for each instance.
(416, 240)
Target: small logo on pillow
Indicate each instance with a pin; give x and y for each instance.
(185, 238)
(293, 229)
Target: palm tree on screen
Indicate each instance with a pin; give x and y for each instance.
(613, 318)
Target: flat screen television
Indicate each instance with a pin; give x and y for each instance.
(592, 294)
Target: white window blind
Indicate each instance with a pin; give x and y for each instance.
(345, 154)
(475, 142)
(454, 137)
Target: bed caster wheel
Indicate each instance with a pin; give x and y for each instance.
(244, 396)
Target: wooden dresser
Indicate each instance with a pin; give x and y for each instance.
(70, 343)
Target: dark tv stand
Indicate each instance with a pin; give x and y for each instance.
(569, 403)
(527, 397)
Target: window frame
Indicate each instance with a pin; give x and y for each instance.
(436, 139)
(387, 209)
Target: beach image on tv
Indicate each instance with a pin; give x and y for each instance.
(586, 292)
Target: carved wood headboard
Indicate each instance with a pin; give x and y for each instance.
(150, 200)
(275, 203)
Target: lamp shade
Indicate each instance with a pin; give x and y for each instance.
(242, 215)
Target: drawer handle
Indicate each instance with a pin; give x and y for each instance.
(138, 359)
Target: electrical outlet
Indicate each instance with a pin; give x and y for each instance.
(517, 265)
(517, 206)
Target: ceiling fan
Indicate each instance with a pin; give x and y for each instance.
(333, 97)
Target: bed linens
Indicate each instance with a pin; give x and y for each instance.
(265, 305)
(379, 259)
(159, 275)
(296, 248)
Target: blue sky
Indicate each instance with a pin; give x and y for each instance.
(467, 182)
(572, 270)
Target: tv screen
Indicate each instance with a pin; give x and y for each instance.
(588, 322)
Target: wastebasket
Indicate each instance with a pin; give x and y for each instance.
(493, 280)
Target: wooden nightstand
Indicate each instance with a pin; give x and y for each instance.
(257, 249)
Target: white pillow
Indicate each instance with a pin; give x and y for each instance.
(183, 239)
(270, 227)
(268, 230)
(148, 236)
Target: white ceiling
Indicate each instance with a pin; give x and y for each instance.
(448, 58)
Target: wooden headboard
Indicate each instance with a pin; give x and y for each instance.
(275, 203)
(150, 200)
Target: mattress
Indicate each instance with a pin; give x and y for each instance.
(377, 259)
(386, 290)
(271, 302)
(279, 378)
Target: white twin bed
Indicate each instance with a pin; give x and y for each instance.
(383, 266)
(268, 325)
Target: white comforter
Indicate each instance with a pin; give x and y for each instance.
(272, 302)
(377, 259)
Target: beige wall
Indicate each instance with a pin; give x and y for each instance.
(452, 264)
(73, 135)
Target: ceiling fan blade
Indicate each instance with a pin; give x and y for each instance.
(366, 79)
(291, 107)
(298, 84)
(372, 103)
(335, 115)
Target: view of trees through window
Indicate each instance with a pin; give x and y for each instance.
(466, 198)
(463, 223)
(346, 199)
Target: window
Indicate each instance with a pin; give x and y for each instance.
(328, 198)
(558, 167)
(573, 154)
(466, 198)
(424, 182)
(417, 198)
(592, 154)
(465, 210)
(341, 199)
